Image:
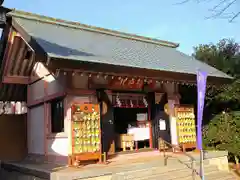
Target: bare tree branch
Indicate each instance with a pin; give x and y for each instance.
(219, 4)
(221, 9)
(182, 2)
(235, 16)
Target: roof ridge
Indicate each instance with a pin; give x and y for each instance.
(70, 24)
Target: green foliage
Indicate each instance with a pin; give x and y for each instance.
(223, 130)
(224, 56)
(223, 133)
(230, 93)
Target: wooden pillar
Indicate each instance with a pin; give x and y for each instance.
(107, 121)
(150, 126)
(46, 118)
(173, 99)
(151, 103)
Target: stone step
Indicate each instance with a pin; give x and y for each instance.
(168, 176)
(167, 172)
(214, 176)
(220, 176)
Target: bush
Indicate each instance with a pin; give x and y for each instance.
(223, 133)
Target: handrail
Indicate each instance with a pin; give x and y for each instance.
(193, 162)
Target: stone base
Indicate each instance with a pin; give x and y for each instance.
(11, 175)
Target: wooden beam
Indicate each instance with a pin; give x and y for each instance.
(11, 53)
(9, 44)
(18, 61)
(77, 66)
(15, 80)
(36, 102)
(80, 92)
(30, 66)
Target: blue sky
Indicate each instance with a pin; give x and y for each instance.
(163, 19)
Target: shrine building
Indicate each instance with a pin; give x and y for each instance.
(92, 91)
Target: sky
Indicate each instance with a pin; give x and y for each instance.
(187, 24)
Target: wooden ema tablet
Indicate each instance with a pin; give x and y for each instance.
(186, 128)
(86, 133)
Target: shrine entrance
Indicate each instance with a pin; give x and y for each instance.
(131, 125)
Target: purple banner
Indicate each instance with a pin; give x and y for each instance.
(201, 90)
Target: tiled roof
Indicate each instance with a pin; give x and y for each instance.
(68, 40)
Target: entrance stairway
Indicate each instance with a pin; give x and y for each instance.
(138, 166)
(176, 170)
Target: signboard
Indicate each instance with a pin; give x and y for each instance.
(162, 125)
(201, 89)
(142, 117)
(140, 134)
(126, 83)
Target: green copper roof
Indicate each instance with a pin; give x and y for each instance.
(80, 42)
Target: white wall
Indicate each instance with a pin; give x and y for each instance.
(49, 85)
(58, 146)
(53, 85)
(35, 127)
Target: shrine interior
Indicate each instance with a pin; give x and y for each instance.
(125, 119)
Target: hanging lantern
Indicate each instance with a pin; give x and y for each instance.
(166, 108)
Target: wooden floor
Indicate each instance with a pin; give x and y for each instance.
(134, 157)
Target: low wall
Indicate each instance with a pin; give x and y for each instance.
(218, 158)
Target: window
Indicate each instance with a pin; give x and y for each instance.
(57, 116)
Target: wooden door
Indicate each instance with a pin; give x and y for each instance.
(157, 133)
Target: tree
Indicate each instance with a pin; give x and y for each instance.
(223, 8)
(224, 56)
(223, 130)
(223, 133)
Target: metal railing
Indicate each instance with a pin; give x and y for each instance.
(167, 145)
